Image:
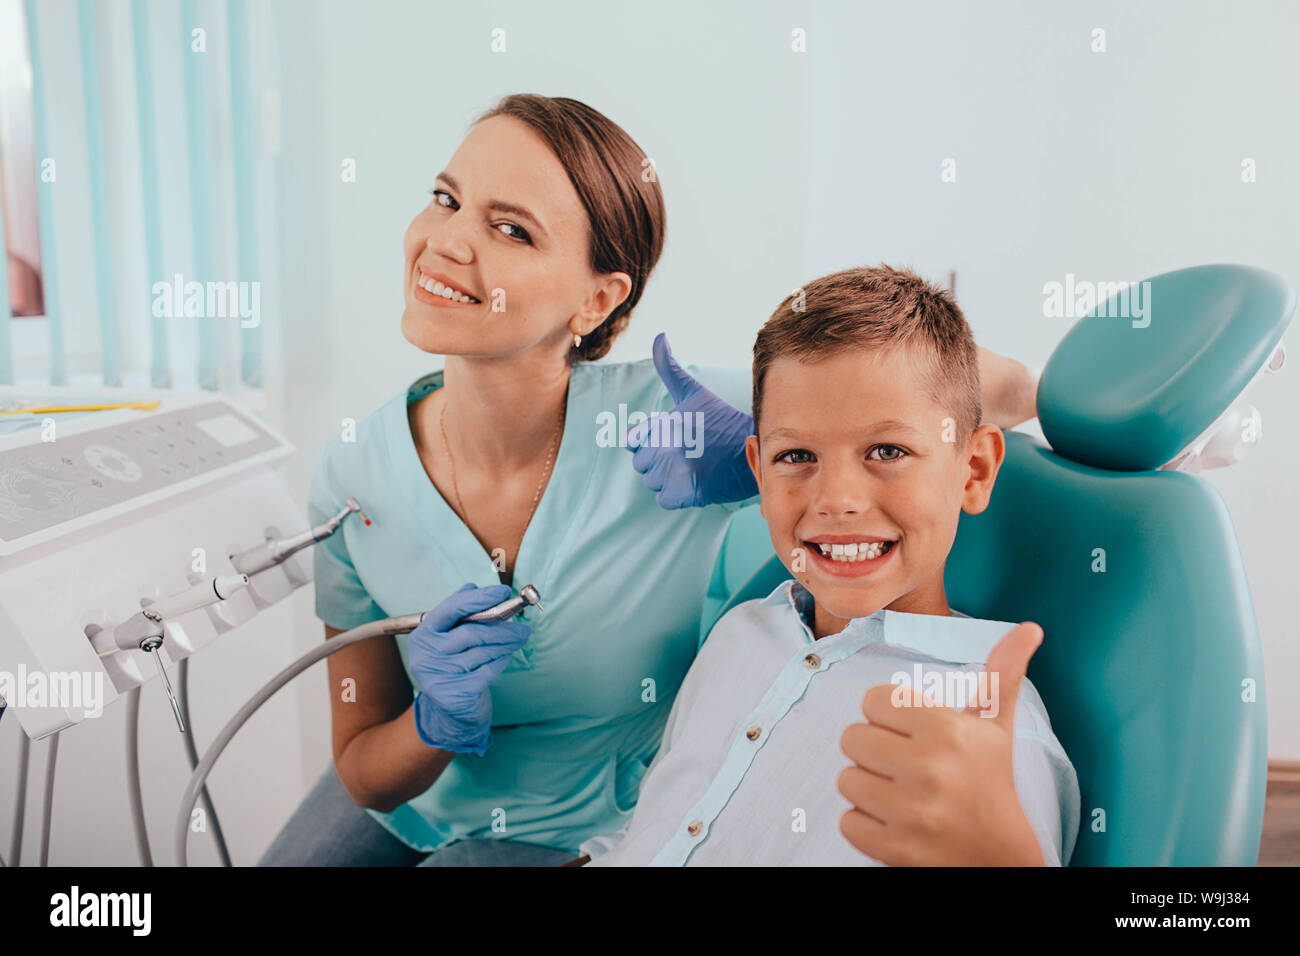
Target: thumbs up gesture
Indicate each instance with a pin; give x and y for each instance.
(932, 786)
(718, 471)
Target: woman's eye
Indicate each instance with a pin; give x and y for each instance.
(800, 456)
(896, 452)
(522, 234)
(440, 195)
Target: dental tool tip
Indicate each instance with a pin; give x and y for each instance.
(180, 721)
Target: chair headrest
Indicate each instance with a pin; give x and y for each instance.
(1135, 382)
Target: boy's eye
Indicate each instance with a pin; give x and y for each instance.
(807, 456)
(439, 195)
(888, 452)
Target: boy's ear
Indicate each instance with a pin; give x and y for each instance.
(985, 451)
(751, 456)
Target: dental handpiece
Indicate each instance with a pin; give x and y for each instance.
(144, 630)
(214, 589)
(277, 551)
(510, 607)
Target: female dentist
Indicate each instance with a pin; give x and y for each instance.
(523, 739)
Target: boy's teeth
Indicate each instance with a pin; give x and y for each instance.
(864, 551)
(437, 288)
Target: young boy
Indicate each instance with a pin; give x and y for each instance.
(868, 446)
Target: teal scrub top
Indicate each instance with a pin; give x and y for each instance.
(578, 713)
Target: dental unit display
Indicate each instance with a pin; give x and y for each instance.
(119, 534)
(119, 530)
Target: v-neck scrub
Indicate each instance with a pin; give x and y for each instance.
(578, 713)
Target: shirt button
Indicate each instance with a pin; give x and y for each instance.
(813, 662)
(694, 828)
(753, 733)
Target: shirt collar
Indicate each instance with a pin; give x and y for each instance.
(958, 639)
(562, 504)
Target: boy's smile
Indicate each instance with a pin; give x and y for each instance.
(863, 478)
(850, 555)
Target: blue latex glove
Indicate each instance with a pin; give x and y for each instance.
(721, 472)
(453, 664)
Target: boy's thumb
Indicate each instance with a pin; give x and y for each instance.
(679, 381)
(1009, 660)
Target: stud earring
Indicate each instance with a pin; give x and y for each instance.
(577, 340)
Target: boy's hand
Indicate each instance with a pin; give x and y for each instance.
(932, 786)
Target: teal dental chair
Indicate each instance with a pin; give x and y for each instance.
(1151, 667)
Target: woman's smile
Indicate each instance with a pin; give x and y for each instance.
(434, 288)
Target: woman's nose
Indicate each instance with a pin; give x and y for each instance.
(448, 239)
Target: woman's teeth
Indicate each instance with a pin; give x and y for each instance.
(437, 288)
(866, 551)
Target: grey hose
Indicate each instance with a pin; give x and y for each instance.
(193, 754)
(20, 797)
(51, 758)
(386, 627)
(133, 793)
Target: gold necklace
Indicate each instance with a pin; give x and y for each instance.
(550, 454)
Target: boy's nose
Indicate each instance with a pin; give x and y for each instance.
(841, 492)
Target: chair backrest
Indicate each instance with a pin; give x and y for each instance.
(1151, 667)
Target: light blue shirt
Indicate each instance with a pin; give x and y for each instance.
(747, 772)
(578, 713)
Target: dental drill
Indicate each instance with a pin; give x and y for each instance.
(510, 607)
(145, 630)
(277, 551)
(528, 595)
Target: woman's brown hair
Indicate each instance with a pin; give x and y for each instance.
(618, 187)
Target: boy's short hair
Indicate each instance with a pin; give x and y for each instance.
(878, 307)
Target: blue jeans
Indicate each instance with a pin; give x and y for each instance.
(329, 829)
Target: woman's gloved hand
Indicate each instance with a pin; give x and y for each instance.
(720, 473)
(453, 664)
